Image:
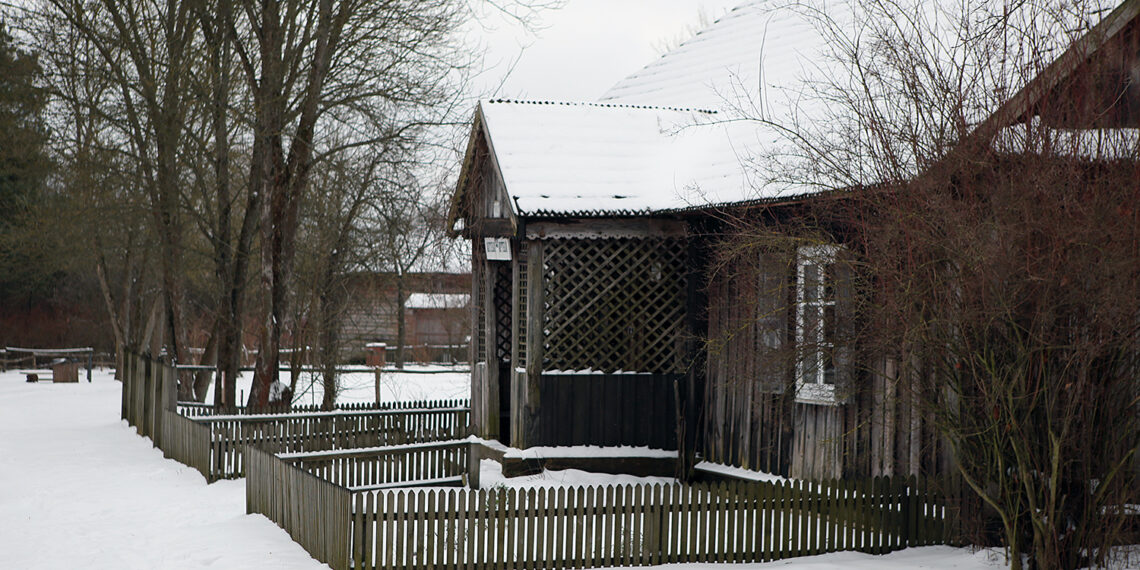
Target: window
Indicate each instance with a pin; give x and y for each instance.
(815, 324)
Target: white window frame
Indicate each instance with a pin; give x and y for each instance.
(811, 346)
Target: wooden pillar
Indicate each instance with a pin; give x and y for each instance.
(526, 426)
(491, 366)
(689, 391)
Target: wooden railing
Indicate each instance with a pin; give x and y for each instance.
(318, 431)
(441, 463)
(187, 442)
(315, 512)
(627, 525)
(148, 389)
(195, 409)
(214, 444)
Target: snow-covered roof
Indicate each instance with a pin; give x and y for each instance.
(703, 125)
(762, 50)
(664, 138)
(588, 157)
(437, 301)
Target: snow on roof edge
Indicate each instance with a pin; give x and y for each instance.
(601, 105)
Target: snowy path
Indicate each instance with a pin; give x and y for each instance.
(79, 489)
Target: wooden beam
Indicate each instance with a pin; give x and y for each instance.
(493, 227)
(605, 228)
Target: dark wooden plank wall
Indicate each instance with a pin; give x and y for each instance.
(752, 419)
(748, 407)
(608, 409)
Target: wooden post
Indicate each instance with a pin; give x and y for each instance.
(689, 396)
(518, 335)
(527, 385)
(491, 378)
(474, 458)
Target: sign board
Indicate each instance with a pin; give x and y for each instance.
(498, 249)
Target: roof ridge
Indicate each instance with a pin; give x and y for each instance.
(602, 105)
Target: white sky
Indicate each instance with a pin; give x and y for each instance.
(583, 48)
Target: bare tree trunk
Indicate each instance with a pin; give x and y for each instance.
(202, 378)
(401, 321)
(285, 178)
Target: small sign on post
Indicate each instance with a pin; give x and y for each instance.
(498, 249)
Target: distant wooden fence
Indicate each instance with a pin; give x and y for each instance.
(214, 444)
(318, 431)
(149, 387)
(441, 463)
(195, 409)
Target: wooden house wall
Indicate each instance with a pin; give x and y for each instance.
(751, 417)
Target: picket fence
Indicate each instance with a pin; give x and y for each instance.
(421, 464)
(316, 513)
(214, 444)
(581, 527)
(637, 525)
(317, 431)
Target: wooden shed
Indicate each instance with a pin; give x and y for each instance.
(597, 317)
(580, 322)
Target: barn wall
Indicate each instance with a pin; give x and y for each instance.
(751, 417)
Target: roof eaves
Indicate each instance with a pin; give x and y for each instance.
(602, 105)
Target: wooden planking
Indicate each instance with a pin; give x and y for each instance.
(323, 431)
(751, 419)
(608, 409)
(187, 442)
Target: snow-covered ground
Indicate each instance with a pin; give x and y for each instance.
(79, 489)
(418, 382)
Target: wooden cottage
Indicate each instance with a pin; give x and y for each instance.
(597, 317)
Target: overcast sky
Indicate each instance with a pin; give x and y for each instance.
(583, 48)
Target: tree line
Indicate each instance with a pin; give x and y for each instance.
(225, 165)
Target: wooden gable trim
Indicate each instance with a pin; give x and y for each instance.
(1021, 106)
(605, 228)
(468, 184)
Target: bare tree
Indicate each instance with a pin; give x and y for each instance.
(316, 66)
(998, 267)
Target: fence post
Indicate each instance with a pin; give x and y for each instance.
(142, 396)
(474, 457)
(125, 374)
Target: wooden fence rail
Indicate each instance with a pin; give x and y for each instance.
(195, 409)
(315, 512)
(187, 442)
(419, 464)
(148, 389)
(581, 527)
(218, 441)
(318, 431)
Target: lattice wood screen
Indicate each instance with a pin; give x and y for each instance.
(477, 273)
(614, 304)
(502, 302)
(520, 332)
